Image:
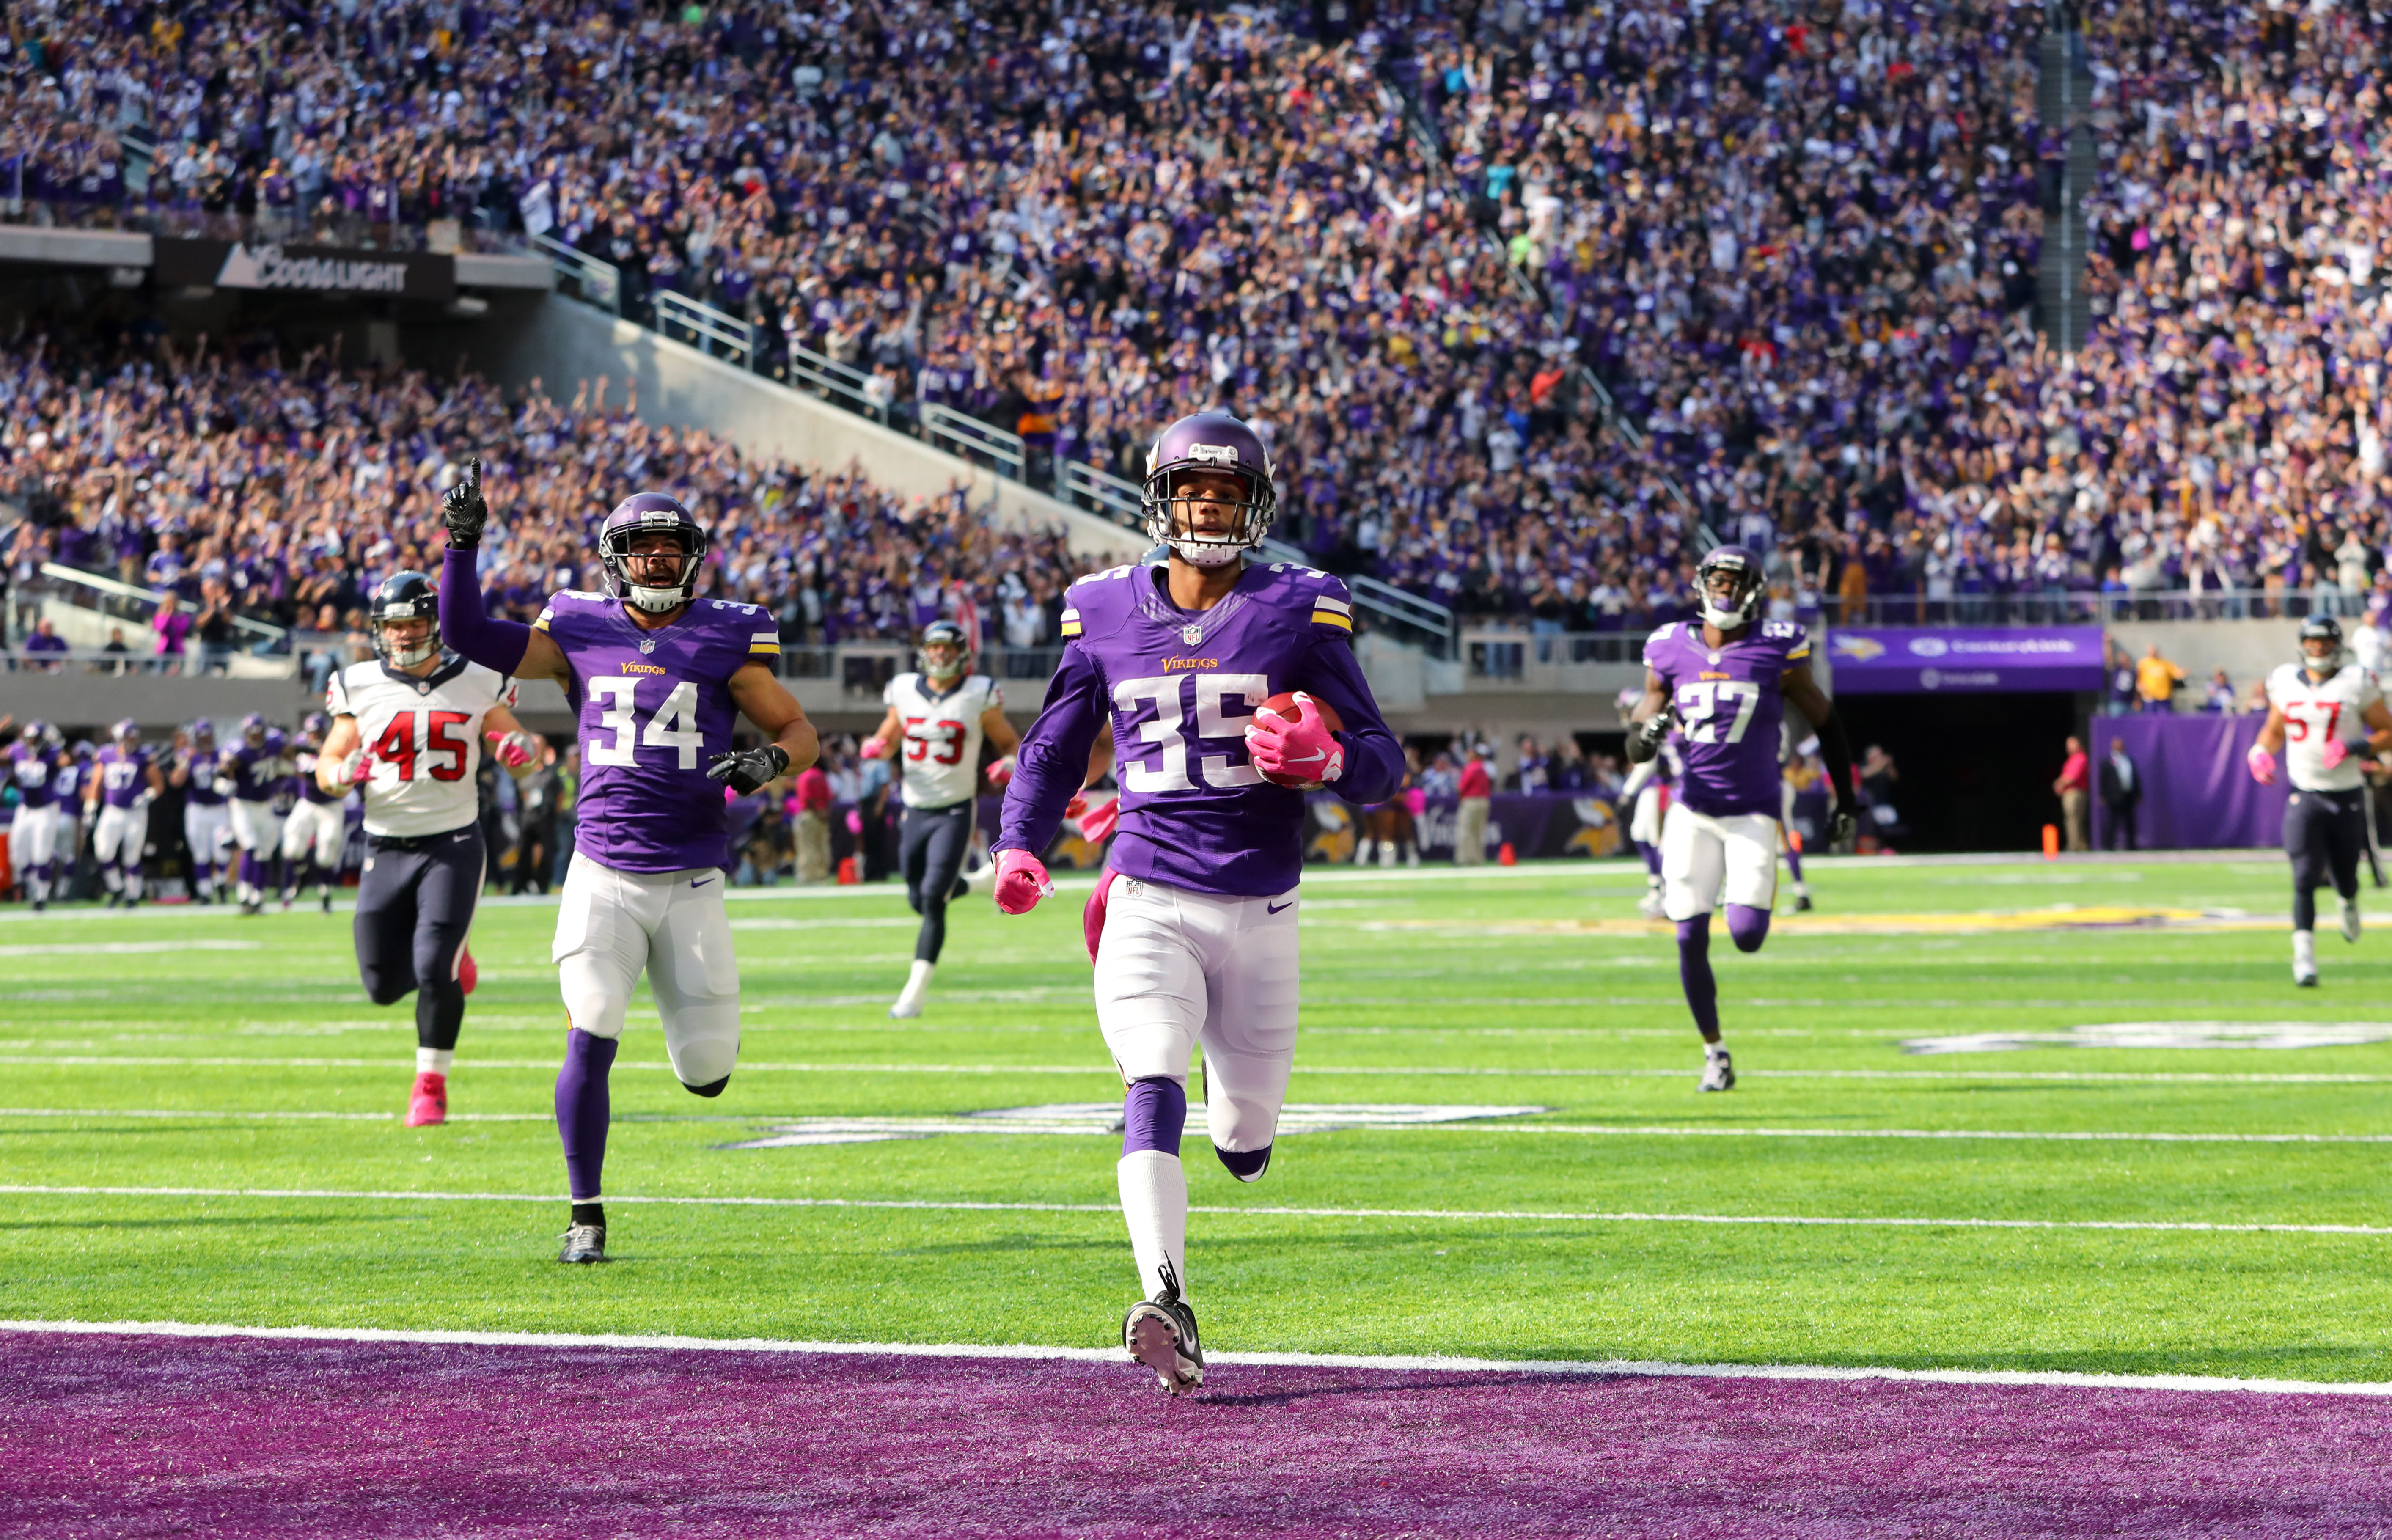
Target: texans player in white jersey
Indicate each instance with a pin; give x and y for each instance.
(1193, 929)
(935, 724)
(318, 824)
(657, 678)
(1646, 792)
(1723, 684)
(122, 786)
(408, 729)
(2324, 714)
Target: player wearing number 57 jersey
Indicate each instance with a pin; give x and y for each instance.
(657, 678)
(1193, 932)
(2325, 714)
(408, 729)
(935, 724)
(1724, 682)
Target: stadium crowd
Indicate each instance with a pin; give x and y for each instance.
(1798, 243)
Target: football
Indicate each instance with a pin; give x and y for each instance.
(1282, 706)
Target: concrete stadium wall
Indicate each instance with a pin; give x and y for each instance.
(564, 344)
(2245, 650)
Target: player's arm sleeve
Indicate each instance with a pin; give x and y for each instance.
(1374, 760)
(1053, 759)
(494, 644)
(336, 694)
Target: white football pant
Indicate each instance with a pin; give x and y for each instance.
(1176, 970)
(1697, 851)
(611, 924)
(33, 843)
(207, 827)
(317, 830)
(120, 834)
(255, 827)
(1645, 823)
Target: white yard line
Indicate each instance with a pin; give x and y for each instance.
(1530, 1216)
(1040, 1353)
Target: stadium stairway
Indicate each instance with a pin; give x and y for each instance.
(2063, 93)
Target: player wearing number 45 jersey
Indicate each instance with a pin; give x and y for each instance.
(1724, 683)
(1193, 932)
(657, 678)
(408, 729)
(935, 724)
(2325, 714)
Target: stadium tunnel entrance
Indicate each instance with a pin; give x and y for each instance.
(1976, 770)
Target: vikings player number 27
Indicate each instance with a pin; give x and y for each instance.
(674, 725)
(1699, 704)
(1167, 694)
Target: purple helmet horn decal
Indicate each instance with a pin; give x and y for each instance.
(1193, 525)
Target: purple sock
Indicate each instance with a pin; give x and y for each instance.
(1747, 926)
(1694, 974)
(1652, 854)
(1153, 1113)
(581, 1111)
(251, 869)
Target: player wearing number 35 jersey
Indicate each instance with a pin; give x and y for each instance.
(2325, 714)
(1724, 682)
(658, 677)
(408, 730)
(1194, 933)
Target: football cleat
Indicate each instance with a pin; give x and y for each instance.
(1161, 1334)
(1650, 904)
(1718, 1072)
(2304, 973)
(251, 906)
(584, 1243)
(1801, 903)
(467, 974)
(328, 900)
(429, 1104)
(2350, 920)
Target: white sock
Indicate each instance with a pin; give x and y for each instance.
(434, 1060)
(1154, 1201)
(1714, 1050)
(2304, 951)
(917, 983)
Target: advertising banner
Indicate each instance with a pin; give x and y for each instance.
(1965, 659)
(307, 269)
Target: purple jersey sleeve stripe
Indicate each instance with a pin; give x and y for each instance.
(494, 644)
(1053, 760)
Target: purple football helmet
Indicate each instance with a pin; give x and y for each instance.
(1209, 441)
(1744, 601)
(651, 514)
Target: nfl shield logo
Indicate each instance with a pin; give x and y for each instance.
(647, 645)
(1191, 634)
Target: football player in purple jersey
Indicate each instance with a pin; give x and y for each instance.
(1723, 684)
(1193, 928)
(34, 836)
(258, 769)
(125, 784)
(657, 678)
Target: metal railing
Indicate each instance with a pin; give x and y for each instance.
(1121, 500)
(111, 597)
(707, 328)
(97, 661)
(1423, 622)
(946, 429)
(599, 284)
(2093, 608)
(843, 383)
(865, 667)
(1550, 661)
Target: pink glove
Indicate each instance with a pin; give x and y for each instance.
(2336, 750)
(514, 749)
(1301, 749)
(363, 770)
(872, 748)
(1001, 771)
(1097, 820)
(2262, 765)
(1022, 882)
(1092, 919)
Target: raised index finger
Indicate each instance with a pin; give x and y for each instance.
(474, 473)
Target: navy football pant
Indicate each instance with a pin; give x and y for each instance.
(2325, 833)
(931, 855)
(415, 903)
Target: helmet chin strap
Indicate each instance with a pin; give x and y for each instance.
(654, 600)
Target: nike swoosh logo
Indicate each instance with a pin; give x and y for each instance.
(1274, 908)
(699, 881)
(1310, 758)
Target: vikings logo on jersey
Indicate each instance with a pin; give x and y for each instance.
(1729, 703)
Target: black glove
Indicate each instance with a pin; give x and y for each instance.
(1646, 742)
(463, 511)
(747, 772)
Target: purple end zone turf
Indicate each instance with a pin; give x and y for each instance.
(145, 1435)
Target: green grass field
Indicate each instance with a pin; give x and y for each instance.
(1537, 1235)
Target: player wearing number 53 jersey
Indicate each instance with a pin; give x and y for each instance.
(1193, 932)
(936, 721)
(408, 729)
(657, 677)
(1724, 683)
(2325, 714)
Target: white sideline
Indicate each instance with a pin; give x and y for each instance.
(2154, 1076)
(1463, 1215)
(1619, 1367)
(992, 1126)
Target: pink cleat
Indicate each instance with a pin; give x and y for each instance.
(467, 974)
(430, 1103)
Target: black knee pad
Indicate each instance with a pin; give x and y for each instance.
(711, 1088)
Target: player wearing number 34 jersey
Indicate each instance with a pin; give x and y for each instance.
(657, 678)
